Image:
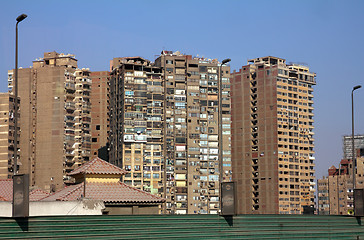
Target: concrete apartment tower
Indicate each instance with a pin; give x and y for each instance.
(136, 122)
(272, 137)
(100, 121)
(7, 132)
(55, 119)
(167, 120)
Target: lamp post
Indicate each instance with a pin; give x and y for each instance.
(18, 20)
(20, 203)
(353, 157)
(220, 129)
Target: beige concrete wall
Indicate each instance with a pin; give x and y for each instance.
(99, 111)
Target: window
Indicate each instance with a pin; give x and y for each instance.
(127, 167)
(203, 68)
(181, 120)
(180, 105)
(213, 177)
(97, 127)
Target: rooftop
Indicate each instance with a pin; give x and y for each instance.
(114, 192)
(98, 166)
(6, 192)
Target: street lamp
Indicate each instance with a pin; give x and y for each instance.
(20, 203)
(353, 157)
(220, 128)
(18, 20)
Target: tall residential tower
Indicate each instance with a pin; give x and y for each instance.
(7, 131)
(165, 128)
(55, 119)
(100, 121)
(272, 137)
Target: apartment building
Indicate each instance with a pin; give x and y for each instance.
(323, 206)
(136, 122)
(335, 195)
(55, 119)
(166, 115)
(335, 192)
(100, 122)
(82, 118)
(348, 145)
(7, 132)
(272, 137)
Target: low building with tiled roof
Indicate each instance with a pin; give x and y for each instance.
(37, 194)
(98, 167)
(109, 192)
(100, 180)
(6, 192)
(42, 208)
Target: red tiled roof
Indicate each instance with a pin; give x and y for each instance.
(37, 195)
(6, 189)
(116, 192)
(6, 192)
(98, 166)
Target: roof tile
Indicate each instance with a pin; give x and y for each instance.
(116, 192)
(98, 166)
(6, 189)
(6, 192)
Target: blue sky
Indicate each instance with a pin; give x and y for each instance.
(326, 35)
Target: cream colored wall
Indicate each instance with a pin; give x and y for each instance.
(102, 178)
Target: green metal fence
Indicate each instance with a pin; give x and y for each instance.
(184, 227)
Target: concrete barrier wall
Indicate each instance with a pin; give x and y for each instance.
(57, 208)
(183, 227)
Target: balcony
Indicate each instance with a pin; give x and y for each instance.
(69, 105)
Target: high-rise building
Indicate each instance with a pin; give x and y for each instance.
(55, 119)
(136, 115)
(82, 119)
(100, 123)
(167, 117)
(348, 145)
(272, 137)
(7, 132)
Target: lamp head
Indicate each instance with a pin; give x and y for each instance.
(225, 61)
(356, 87)
(21, 17)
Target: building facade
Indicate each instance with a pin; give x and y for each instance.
(165, 128)
(335, 192)
(272, 137)
(323, 206)
(7, 131)
(100, 122)
(55, 119)
(136, 108)
(348, 145)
